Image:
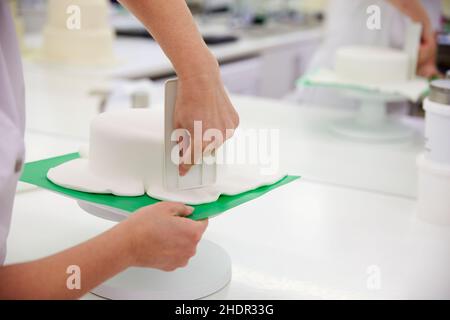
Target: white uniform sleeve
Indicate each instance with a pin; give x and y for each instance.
(11, 121)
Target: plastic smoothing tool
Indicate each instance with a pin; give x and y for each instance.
(200, 175)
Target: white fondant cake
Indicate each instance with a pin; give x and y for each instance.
(91, 44)
(372, 65)
(126, 159)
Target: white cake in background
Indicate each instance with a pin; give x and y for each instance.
(92, 44)
(126, 158)
(371, 65)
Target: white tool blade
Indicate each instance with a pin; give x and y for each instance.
(199, 175)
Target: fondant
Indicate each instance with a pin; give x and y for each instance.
(372, 65)
(126, 158)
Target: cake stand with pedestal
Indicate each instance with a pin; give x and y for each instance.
(208, 271)
(372, 122)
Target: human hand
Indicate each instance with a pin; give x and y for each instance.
(203, 98)
(161, 237)
(426, 66)
(428, 71)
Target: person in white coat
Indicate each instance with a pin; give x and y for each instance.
(346, 24)
(158, 236)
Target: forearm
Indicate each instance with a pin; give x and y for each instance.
(172, 26)
(415, 10)
(98, 259)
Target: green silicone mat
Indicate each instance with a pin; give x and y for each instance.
(36, 173)
(307, 81)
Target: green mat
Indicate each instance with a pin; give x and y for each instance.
(307, 80)
(36, 173)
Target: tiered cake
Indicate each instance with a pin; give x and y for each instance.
(89, 42)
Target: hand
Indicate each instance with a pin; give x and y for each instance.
(429, 71)
(203, 98)
(161, 237)
(427, 56)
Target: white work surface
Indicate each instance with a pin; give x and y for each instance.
(305, 240)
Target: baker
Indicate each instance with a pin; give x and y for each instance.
(155, 236)
(347, 25)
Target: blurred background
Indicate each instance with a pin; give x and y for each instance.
(263, 46)
(266, 44)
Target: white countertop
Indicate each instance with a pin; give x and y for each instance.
(304, 240)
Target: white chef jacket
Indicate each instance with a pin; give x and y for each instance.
(12, 121)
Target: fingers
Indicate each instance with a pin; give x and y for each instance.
(186, 211)
(198, 225)
(191, 154)
(182, 210)
(202, 225)
(186, 154)
(211, 140)
(183, 169)
(196, 229)
(425, 56)
(176, 209)
(427, 49)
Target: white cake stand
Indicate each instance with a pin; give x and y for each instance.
(371, 122)
(208, 272)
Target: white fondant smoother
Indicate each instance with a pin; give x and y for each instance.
(76, 175)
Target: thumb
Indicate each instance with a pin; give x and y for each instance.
(187, 150)
(203, 224)
(179, 209)
(192, 156)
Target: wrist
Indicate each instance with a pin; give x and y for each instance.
(128, 248)
(427, 29)
(200, 67)
(200, 82)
